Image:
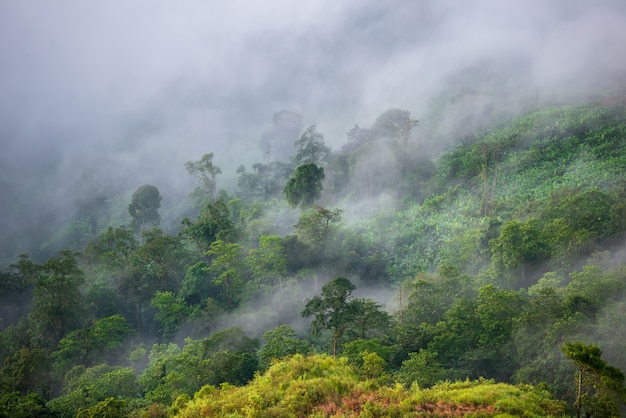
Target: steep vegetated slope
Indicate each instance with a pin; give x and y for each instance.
(499, 261)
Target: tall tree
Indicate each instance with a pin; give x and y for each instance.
(158, 265)
(315, 226)
(596, 372)
(369, 320)
(213, 223)
(26, 371)
(268, 263)
(227, 267)
(57, 301)
(206, 172)
(144, 209)
(395, 124)
(280, 342)
(305, 186)
(311, 148)
(92, 344)
(113, 249)
(331, 310)
(277, 141)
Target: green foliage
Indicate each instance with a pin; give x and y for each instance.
(206, 172)
(423, 368)
(321, 386)
(92, 344)
(57, 300)
(108, 408)
(531, 204)
(112, 249)
(171, 312)
(265, 183)
(157, 265)
(226, 356)
(214, 223)
(228, 270)
(26, 371)
(14, 405)
(305, 186)
(311, 148)
(316, 225)
(86, 387)
(268, 263)
(144, 208)
(368, 320)
(607, 381)
(280, 342)
(332, 310)
(520, 245)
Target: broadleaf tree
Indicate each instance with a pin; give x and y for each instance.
(332, 309)
(144, 209)
(305, 186)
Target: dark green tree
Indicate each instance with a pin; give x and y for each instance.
(228, 270)
(158, 265)
(144, 209)
(57, 301)
(92, 344)
(16, 290)
(113, 249)
(85, 387)
(14, 405)
(305, 186)
(26, 371)
(332, 309)
(214, 223)
(520, 247)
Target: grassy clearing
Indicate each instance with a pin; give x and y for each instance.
(324, 386)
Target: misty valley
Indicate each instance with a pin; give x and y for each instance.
(326, 209)
(371, 280)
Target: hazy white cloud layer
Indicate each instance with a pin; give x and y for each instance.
(136, 88)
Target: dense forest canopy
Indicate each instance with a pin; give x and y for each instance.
(450, 251)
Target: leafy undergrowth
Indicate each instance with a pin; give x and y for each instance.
(324, 386)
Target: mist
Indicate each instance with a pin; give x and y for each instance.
(133, 91)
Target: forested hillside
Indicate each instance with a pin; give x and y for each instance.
(391, 280)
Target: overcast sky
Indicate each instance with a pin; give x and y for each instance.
(142, 86)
